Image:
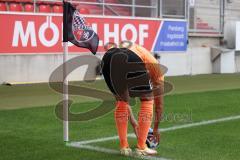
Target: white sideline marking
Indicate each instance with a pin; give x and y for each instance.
(111, 151)
(165, 129)
(94, 148)
(83, 144)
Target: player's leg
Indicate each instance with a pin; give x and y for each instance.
(146, 109)
(121, 113)
(121, 119)
(144, 123)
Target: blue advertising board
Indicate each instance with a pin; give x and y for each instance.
(172, 37)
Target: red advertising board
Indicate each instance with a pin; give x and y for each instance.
(28, 34)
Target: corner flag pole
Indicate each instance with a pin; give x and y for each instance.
(65, 79)
(71, 18)
(65, 93)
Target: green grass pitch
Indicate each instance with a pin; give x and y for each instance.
(29, 128)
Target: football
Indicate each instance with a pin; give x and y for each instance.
(151, 142)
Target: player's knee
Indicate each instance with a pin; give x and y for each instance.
(121, 106)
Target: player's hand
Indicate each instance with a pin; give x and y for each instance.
(156, 135)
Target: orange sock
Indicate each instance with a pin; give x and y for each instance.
(121, 119)
(144, 122)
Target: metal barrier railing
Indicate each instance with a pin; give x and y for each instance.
(181, 9)
(136, 8)
(132, 5)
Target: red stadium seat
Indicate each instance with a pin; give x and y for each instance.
(84, 11)
(88, 6)
(22, 1)
(44, 2)
(15, 7)
(90, 9)
(57, 9)
(3, 6)
(58, 3)
(44, 8)
(28, 7)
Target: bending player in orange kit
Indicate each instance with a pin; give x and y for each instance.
(134, 72)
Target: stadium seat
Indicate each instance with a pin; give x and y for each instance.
(44, 8)
(57, 9)
(23, 1)
(84, 11)
(59, 3)
(3, 6)
(88, 6)
(92, 9)
(28, 7)
(44, 2)
(15, 7)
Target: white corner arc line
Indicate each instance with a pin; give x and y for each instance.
(202, 123)
(111, 151)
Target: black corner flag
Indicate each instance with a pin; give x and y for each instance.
(76, 30)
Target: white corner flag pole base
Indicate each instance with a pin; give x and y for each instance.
(65, 94)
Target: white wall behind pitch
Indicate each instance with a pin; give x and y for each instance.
(177, 63)
(38, 68)
(194, 61)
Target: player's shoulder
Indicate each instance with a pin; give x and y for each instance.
(138, 48)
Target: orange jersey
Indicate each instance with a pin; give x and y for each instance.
(151, 63)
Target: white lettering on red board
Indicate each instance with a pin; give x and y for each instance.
(22, 35)
(111, 34)
(31, 33)
(19, 34)
(42, 30)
